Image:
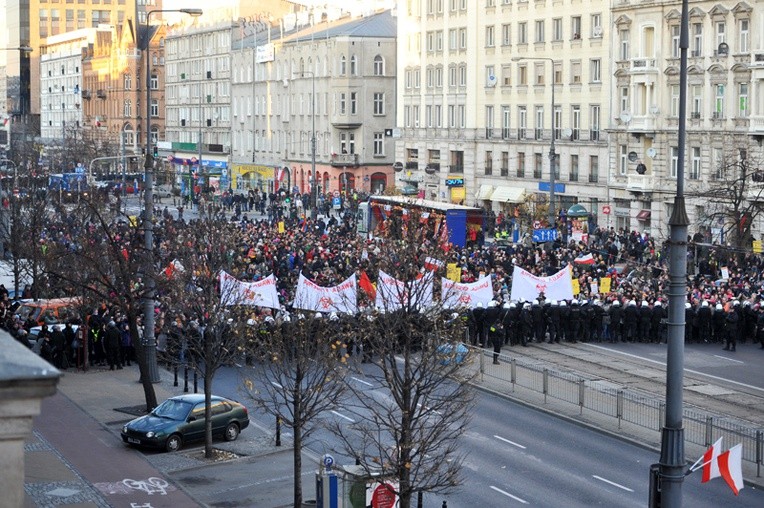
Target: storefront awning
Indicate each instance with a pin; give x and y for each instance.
(485, 192)
(643, 215)
(508, 194)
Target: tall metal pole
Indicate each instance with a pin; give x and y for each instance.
(552, 159)
(149, 346)
(672, 462)
(201, 134)
(314, 211)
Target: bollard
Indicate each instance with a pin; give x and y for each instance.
(175, 375)
(419, 500)
(278, 431)
(196, 381)
(185, 379)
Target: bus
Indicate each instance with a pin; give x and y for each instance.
(464, 224)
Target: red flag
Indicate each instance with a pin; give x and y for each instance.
(367, 286)
(584, 260)
(731, 467)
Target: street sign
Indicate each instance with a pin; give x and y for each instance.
(536, 224)
(544, 235)
(336, 194)
(606, 209)
(336, 203)
(328, 462)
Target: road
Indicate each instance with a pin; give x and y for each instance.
(518, 456)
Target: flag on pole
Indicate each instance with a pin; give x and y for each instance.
(730, 467)
(367, 286)
(432, 263)
(585, 260)
(710, 465)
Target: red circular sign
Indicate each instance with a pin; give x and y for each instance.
(606, 209)
(383, 497)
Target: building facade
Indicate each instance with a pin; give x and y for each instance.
(475, 101)
(725, 110)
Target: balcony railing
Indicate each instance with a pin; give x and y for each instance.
(640, 183)
(344, 159)
(101, 94)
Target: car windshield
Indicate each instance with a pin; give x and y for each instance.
(173, 409)
(27, 311)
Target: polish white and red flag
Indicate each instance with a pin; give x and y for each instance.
(431, 263)
(730, 465)
(588, 259)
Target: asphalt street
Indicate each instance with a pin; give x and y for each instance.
(518, 455)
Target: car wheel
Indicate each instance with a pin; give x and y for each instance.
(173, 443)
(232, 432)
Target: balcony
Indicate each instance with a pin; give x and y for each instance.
(757, 61)
(642, 124)
(643, 65)
(640, 183)
(344, 160)
(86, 95)
(101, 94)
(756, 126)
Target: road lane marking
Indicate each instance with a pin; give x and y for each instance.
(361, 381)
(509, 442)
(728, 359)
(697, 372)
(274, 383)
(614, 484)
(343, 416)
(497, 489)
(428, 409)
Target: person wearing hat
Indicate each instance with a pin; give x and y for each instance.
(717, 323)
(112, 342)
(526, 324)
(657, 323)
(630, 318)
(731, 328)
(644, 323)
(703, 318)
(553, 322)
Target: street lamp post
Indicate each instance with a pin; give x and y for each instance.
(149, 343)
(552, 152)
(314, 179)
(671, 466)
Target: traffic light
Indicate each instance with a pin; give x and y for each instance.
(156, 151)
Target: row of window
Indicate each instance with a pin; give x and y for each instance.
(50, 20)
(456, 118)
(721, 41)
(344, 103)
(572, 169)
(696, 99)
(276, 141)
(695, 168)
(96, 2)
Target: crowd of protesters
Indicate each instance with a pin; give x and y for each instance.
(270, 234)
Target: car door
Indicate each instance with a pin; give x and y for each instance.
(194, 429)
(220, 412)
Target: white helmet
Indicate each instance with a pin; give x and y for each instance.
(687, 305)
(554, 302)
(644, 303)
(492, 303)
(616, 303)
(632, 303)
(735, 303)
(526, 305)
(562, 303)
(704, 304)
(574, 302)
(719, 306)
(658, 303)
(507, 305)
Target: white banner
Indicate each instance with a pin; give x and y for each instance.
(526, 286)
(261, 293)
(340, 298)
(461, 294)
(392, 294)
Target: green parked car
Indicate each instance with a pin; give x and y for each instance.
(180, 420)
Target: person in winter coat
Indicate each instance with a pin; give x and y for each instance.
(616, 314)
(565, 332)
(575, 321)
(496, 336)
(537, 314)
(526, 324)
(553, 322)
(717, 323)
(645, 319)
(597, 324)
(760, 325)
(630, 317)
(689, 322)
(731, 328)
(111, 343)
(492, 320)
(703, 319)
(657, 320)
(477, 336)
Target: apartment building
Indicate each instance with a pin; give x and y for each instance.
(332, 82)
(198, 100)
(475, 101)
(725, 109)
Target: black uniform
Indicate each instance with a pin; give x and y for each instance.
(645, 319)
(731, 329)
(616, 314)
(703, 318)
(657, 323)
(630, 317)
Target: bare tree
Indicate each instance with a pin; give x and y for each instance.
(214, 317)
(412, 435)
(297, 375)
(733, 199)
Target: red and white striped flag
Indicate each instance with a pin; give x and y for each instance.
(731, 467)
(432, 263)
(710, 465)
(585, 260)
(5, 121)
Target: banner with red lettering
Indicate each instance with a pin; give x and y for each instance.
(340, 298)
(262, 293)
(526, 286)
(393, 294)
(462, 294)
